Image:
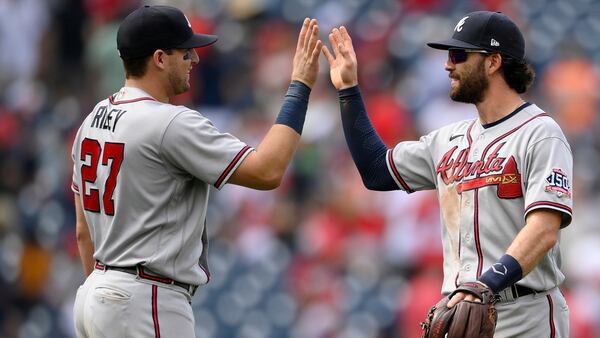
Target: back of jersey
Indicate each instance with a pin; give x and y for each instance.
(143, 180)
(113, 154)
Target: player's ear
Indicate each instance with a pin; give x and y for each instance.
(494, 62)
(158, 58)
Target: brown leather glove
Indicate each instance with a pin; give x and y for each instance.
(467, 319)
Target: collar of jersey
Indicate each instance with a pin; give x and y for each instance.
(495, 123)
(128, 95)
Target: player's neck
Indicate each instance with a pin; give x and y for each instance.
(498, 103)
(150, 87)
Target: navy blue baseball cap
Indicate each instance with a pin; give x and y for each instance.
(149, 28)
(490, 31)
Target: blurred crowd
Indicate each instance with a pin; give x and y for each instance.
(320, 256)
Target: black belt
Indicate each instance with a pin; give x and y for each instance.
(520, 291)
(513, 292)
(144, 274)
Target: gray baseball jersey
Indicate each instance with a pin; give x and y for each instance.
(143, 170)
(488, 177)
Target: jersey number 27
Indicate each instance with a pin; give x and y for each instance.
(89, 173)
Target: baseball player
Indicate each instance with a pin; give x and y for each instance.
(141, 176)
(503, 179)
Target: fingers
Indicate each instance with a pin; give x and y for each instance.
(346, 44)
(472, 298)
(308, 40)
(305, 65)
(460, 296)
(314, 35)
(302, 35)
(346, 39)
(342, 62)
(317, 51)
(328, 56)
(313, 31)
(344, 33)
(314, 45)
(334, 39)
(344, 52)
(341, 42)
(455, 299)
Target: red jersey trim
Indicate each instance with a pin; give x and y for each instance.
(144, 275)
(155, 311)
(112, 101)
(469, 138)
(551, 317)
(510, 132)
(476, 230)
(231, 165)
(553, 205)
(397, 173)
(206, 272)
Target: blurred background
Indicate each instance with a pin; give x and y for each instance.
(320, 256)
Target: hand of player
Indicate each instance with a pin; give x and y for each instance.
(460, 296)
(342, 64)
(306, 59)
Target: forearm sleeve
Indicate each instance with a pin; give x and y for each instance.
(367, 149)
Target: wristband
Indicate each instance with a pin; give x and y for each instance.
(502, 274)
(293, 109)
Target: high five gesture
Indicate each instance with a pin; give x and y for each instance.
(306, 59)
(342, 63)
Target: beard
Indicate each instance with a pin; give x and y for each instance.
(178, 84)
(472, 86)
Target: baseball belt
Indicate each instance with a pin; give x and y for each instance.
(514, 292)
(144, 273)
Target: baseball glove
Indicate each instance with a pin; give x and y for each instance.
(464, 320)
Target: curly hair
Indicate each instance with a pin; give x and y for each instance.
(518, 75)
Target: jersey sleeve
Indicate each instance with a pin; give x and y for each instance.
(192, 143)
(411, 164)
(76, 178)
(548, 177)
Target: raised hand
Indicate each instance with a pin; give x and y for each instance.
(306, 59)
(342, 64)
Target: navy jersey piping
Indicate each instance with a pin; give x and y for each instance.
(495, 123)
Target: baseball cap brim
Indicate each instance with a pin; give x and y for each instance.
(452, 43)
(198, 40)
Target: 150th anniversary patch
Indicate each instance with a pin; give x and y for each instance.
(558, 183)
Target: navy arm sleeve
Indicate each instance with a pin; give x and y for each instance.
(367, 149)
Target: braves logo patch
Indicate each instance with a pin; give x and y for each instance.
(558, 183)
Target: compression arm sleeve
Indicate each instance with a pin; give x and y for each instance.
(367, 149)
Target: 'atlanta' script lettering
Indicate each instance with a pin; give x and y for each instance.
(453, 169)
